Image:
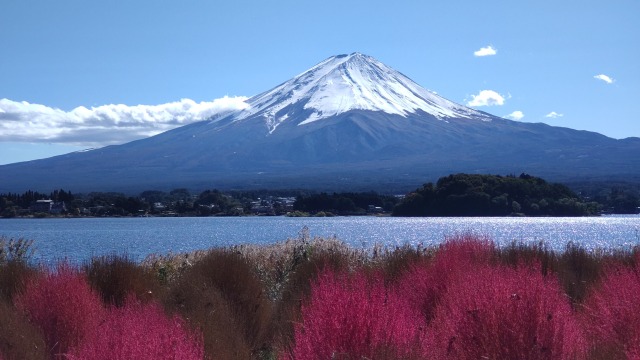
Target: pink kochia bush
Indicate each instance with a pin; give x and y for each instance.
(140, 332)
(476, 308)
(612, 311)
(62, 305)
(354, 317)
(462, 304)
(500, 312)
(425, 283)
(75, 323)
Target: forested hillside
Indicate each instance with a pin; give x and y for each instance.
(493, 195)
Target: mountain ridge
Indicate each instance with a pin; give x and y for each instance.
(343, 124)
(350, 82)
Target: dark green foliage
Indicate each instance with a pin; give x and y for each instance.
(454, 195)
(12, 204)
(25, 199)
(344, 203)
(214, 202)
(620, 199)
(114, 204)
(493, 195)
(153, 196)
(615, 197)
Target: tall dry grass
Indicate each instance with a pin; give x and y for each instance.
(117, 278)
(297, 288)
(465, 298)
(221, 295)
(15, 269)
(13, 277)
(20, 250)
(19, 339)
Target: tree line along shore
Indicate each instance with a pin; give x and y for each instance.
(453, 195)
(317, 298)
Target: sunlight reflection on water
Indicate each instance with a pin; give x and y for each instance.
(79, 239)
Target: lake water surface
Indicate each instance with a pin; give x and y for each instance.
(79, 239)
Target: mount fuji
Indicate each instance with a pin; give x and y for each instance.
(348, 123)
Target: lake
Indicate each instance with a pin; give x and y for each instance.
(78, 239)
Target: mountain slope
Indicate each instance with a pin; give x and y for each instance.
(349, 122)
(349, 82)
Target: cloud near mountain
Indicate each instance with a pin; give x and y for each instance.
(106, 124)
(553, 115)
(486, 98)
(516, 115)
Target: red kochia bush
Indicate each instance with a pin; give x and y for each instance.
(354, 317)
(62, 305)
(425, 283)
(500, 312)
(137, 331)
(612, 312)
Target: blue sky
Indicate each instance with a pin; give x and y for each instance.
(80, 74)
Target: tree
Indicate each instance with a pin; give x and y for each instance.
(492, 195)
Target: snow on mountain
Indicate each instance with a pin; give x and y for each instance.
(349, 82)
(348, 123)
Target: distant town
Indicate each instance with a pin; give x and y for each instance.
(454, 195)
(180, 202)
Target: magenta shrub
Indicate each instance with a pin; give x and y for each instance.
(422, 287)
(500, 312)
(354, 317)
(137, 331)
(426, 282)
(464, 302)
(612, 311)
(62, 305)
(465, 249)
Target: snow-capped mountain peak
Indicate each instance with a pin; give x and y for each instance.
(349, 82)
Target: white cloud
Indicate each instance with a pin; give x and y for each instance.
(604, 78)
(486, 98)
(106, 124)
(553, 115)
(516, 115)
(485, 51)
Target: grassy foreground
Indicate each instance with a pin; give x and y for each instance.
(315, 298)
